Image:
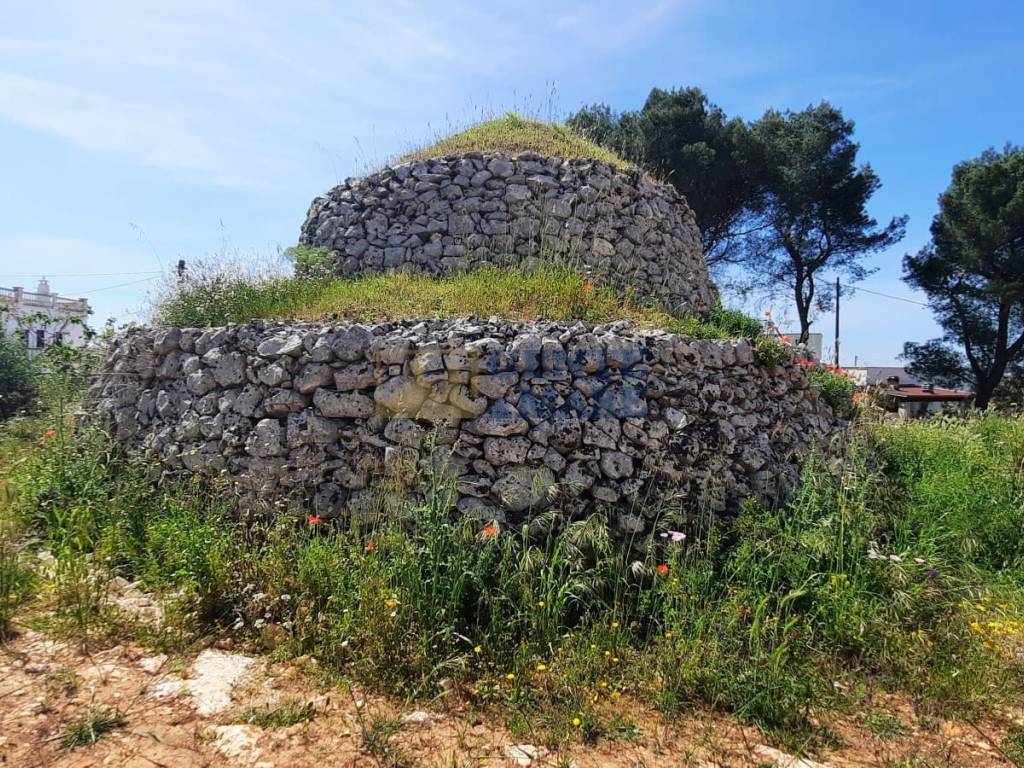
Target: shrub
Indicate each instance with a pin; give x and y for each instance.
(311, 262)
(769, 351)
(221, 289)
(90, 728)
(736, 324)
(963, 481)
(836, 388)
(18, 379)
(290, 712)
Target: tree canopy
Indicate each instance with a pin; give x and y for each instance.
(783, 196)
(812, 205)
(973, 272)
(689, 142)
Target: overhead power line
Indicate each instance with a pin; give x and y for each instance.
(885, 295)
(111, 287)
(82, 274)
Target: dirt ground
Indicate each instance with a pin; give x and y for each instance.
(187, 712)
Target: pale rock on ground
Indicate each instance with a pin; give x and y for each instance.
(780, 759)
(523, 754)
(238, 743)
(214, 675)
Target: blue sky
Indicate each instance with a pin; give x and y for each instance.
(134, 133)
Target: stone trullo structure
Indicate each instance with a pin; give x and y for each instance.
(343, 418)
(459, 213)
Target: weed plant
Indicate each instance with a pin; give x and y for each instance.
(90, 728)
(284, 715)
(17, 579)
(899, 568)
(836, 389)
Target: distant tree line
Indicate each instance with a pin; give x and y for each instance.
(784, 199)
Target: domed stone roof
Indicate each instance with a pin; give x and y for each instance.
(439, 215)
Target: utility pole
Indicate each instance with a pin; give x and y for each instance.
(837, 323)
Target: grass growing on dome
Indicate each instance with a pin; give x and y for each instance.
(513, 134)
(544, 293)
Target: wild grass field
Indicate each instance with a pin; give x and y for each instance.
(897, 571)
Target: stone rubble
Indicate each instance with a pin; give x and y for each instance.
(519, 416)
(458, 213)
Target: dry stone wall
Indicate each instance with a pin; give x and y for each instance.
(457, 213)
(520, 416)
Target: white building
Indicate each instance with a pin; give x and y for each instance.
(813, 346)
(43, 317)
(876, 375)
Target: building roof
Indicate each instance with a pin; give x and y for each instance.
(872, 375)
(18, 301)
(917, 394)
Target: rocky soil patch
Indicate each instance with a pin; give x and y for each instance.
(188, 711)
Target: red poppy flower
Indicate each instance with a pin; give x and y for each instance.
(370, 546)
(312, 519)
(662, 569)
(489, 530)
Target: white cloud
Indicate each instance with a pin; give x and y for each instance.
(95, 121)
(223, 94)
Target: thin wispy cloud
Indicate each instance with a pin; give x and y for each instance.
(95, 121)
(221, 96)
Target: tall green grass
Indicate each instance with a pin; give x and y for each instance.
(963, 489)
(17, 579)
(545, 293)
(885, 570)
